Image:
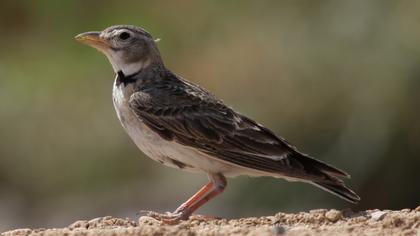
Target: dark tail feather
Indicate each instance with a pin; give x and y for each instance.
(321, 166)
(331, 182)
(339, 189)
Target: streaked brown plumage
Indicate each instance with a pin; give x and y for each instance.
(182, 125)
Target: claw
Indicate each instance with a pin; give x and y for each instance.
(168, 217)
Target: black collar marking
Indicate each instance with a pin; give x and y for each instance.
(125, 79)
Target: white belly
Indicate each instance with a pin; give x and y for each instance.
(166, 152)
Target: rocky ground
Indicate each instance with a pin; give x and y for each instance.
(315, 222)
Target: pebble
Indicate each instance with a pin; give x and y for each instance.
(418, 208)
(79, 224)
(333, 215)
(147, 220)
(378, 215)
(406, 210)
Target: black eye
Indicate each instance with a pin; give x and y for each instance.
(124, 35)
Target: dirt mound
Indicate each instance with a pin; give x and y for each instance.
(315, 222)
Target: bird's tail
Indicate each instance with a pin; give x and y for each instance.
(330, 181)
(340, 190)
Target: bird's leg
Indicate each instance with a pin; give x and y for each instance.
(216, 186)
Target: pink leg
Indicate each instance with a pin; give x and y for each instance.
(216, 186)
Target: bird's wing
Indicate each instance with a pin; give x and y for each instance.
(190, 116)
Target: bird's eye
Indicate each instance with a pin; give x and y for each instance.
(124, 35)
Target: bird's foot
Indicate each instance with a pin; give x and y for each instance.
(170, 218)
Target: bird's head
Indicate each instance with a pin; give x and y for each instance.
(128, 48)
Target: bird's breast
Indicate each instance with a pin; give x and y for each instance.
(132, 124)
(146, 139)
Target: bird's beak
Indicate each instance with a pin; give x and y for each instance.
(93, 39)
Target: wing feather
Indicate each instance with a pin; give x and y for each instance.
(185, 113)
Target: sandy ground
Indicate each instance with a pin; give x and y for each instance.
(315, 222)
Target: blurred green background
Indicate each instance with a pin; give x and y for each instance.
(339, 79)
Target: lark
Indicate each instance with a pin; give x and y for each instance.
(179, 124)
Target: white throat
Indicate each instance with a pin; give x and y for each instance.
(119, 65)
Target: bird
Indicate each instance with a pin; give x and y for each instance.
(182, 125)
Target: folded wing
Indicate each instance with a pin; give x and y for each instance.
(185, 113)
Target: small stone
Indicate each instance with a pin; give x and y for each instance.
(279, 230)
(79, 224)
(378, 215)
(148, 220)
(417, 208)
(333, 215)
